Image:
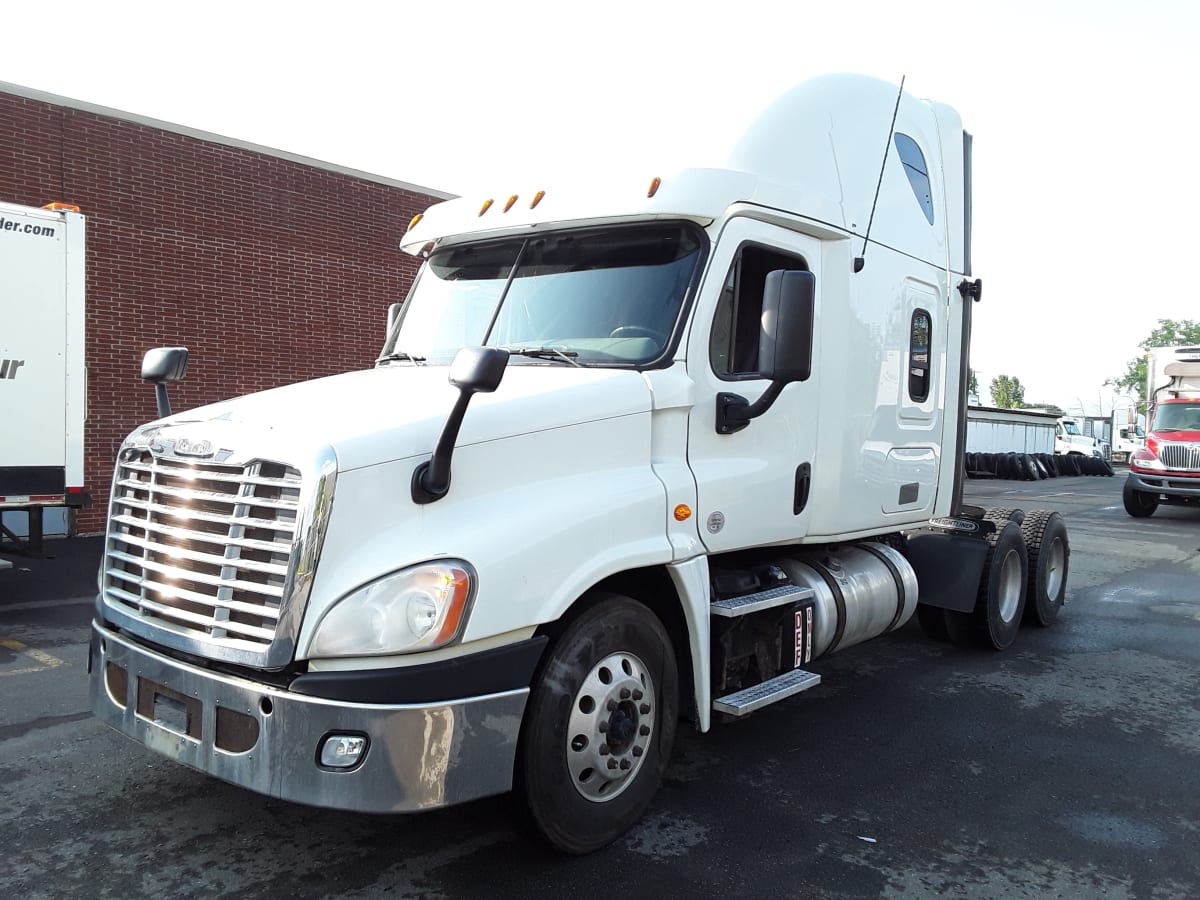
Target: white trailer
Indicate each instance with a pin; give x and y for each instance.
(631, 451)
(42, 374)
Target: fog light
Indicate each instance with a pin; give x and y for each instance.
(343, 751)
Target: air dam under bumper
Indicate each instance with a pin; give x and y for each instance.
(268, 740)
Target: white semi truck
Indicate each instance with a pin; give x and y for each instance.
(42, 374)
(1070, 439)
(632, 454)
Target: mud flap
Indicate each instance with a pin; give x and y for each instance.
(948, 568)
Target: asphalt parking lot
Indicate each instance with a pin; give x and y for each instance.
(1068, 766)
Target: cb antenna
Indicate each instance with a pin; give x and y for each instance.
(860, 261)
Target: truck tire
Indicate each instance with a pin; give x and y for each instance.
(1138, 504)
(933, 622)
(599, 726)
(1000, 603)
(1049, 551)
(1003, 514)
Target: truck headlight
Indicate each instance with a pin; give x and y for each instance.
(1145, 459)
(413, 609)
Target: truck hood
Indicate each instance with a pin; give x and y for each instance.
(1174, 437)
(380, 415)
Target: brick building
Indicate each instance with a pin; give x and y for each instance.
(270, 267)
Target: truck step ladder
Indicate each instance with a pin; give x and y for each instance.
(778, 688)
(732, 607)
(747, 700)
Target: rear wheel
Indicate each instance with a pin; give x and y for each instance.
(1000, 602)
(1049, 551)
(933, 622)
(599, 726)
(1138, 504)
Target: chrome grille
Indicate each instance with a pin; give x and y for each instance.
(1180, 456)
(201, 549)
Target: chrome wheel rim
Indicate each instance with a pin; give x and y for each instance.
(610, 727)
(1055, 568)
(1010, 585)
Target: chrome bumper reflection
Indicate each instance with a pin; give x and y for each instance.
(267, 739)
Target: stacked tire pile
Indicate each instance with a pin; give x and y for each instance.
(1033, 466)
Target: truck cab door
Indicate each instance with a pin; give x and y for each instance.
(752, 485)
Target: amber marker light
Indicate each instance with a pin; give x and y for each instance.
(455, 588)
(655, 184)
(487, 204)
(537, 198)
(61, 207)
(683, 512)
(415, 219)
(511, 201)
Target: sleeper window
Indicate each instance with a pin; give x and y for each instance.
(917, 172)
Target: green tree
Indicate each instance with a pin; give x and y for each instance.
(1007, 392)
(972, 383)
(1169, 333)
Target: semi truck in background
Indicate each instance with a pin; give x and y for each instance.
(42, 373)
(1167, 469)
(1069, 438)
(628, 454)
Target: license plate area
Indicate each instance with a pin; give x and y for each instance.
(169, 709)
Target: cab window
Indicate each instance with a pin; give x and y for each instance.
(737, 324)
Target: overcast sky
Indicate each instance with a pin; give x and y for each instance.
(1084, 115)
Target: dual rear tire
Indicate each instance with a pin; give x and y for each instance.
(1024, 579)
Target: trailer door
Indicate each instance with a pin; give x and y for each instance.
(33, 351)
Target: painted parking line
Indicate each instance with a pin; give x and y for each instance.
(43, 660)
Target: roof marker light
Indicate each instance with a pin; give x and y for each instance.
(511, 201)
(655, 184)
(61, 207)
(415, 219)
(537, 198)
(487, 204)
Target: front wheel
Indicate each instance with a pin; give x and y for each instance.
(1138, 504)
(599, 726)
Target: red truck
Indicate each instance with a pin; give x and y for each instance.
(1167, 468)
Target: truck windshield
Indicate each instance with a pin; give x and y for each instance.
(1177, 417)
(601, 296)
(1070, 427)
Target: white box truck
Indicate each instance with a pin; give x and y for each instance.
(634, 453)
(1167, 469)
(1128, 436)
(42, 376)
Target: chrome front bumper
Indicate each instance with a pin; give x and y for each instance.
(268, 739)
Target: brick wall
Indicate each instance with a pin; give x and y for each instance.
(269, 270)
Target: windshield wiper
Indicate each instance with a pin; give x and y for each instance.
(400, 354)
(551, 353)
